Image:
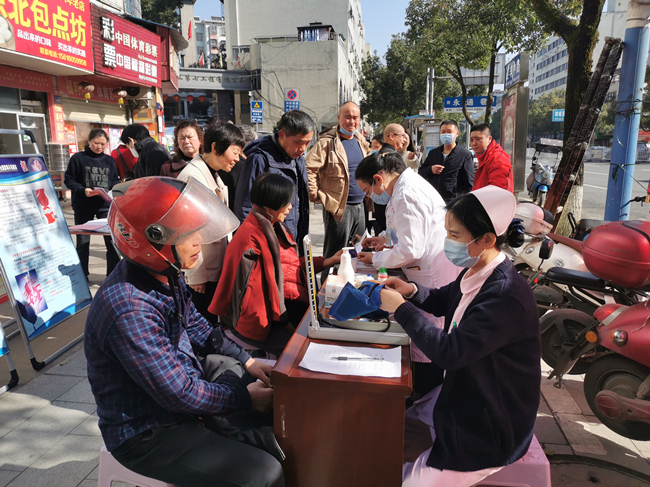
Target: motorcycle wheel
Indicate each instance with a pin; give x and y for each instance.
(624, 376)
(556, 342)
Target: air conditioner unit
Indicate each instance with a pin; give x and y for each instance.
(137, 93)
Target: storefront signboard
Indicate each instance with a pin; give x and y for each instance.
(56, 30)
(124, 50)
(23, 79)
(103, 90)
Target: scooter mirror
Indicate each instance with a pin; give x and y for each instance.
(546, 249)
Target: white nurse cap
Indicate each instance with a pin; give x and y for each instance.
(499, 204)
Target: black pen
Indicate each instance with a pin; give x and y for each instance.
(357, 358)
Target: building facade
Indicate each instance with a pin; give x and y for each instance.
(548, 68)
(316, 52)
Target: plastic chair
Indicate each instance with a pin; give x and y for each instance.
(532, 470)
(110, 470)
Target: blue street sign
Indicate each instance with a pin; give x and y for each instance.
(257, 111)
(513, 71)
(558, 115)
(454, 104)
(291, 105)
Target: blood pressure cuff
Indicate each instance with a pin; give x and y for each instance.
(364, 302)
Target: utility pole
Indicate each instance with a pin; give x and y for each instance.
(426, 103)
(626, 126)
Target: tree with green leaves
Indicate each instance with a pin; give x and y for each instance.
(396, 89)
(454, 34)
(575, 21)
(165, 12)
(540, 114)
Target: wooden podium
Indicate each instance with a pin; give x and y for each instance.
(338, 431)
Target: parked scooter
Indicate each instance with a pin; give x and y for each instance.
(618, 256)
(617, 382)
(547, 154)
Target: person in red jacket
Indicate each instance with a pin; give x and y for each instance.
(263, 286)
(494, 166)
(125, 155)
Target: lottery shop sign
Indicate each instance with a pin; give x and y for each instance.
(124, 50)
(56, 30)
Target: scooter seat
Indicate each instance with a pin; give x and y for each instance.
(570, 277)
(569, 242)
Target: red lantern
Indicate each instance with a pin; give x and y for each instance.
(190, 98)
(165, 97)
(176, 98)
(201, 98)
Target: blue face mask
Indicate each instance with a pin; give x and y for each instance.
(373, 152)
(447, 139)
(380, 199)
(349, 134)
(458, 253)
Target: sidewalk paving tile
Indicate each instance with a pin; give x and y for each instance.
(49, 387)
(559, 400)
(79, 393)
(16, 408)
(74, 365)
(65, 465)
(7, 476)
(89, 427)
(577, 431)
(548, 431)
(35, 436)
(94, 475)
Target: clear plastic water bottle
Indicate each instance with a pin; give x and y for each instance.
(382, 275)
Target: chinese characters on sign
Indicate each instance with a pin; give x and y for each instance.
(126, 51)
(55, 30)
(103, 90)
(517, 70)
(454, 104)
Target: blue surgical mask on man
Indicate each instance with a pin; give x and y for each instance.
(349, 134)
(373, 152)
(447, 139)
(380, 199)
(458, 253)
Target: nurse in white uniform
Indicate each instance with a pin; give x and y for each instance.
(415, 235)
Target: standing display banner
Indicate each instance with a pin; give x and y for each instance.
(40, 266)
(4, 351)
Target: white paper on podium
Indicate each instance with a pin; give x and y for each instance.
(375, 362)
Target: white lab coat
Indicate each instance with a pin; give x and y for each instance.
(415, 219)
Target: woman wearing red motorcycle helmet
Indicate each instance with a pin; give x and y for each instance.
(156, 397)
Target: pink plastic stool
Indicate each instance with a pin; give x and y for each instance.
(110, 470)
(532, 470)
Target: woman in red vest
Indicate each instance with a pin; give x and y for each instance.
(263, 286)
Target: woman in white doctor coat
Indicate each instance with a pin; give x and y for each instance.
(415, 233)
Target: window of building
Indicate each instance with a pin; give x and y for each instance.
(199, 37)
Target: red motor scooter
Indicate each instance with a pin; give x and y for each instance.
(617, 382)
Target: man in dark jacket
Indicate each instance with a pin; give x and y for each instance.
(450, 167)
(151, 154)
(281, 153)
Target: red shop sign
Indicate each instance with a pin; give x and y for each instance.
(103, 91)
(56, 30)
(25, 80)
(124, 50)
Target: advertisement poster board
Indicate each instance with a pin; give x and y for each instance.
(41, 266)
(509, 122)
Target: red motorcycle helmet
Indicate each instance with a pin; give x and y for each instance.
(150, 216)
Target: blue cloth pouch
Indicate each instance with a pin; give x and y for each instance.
(364, 302)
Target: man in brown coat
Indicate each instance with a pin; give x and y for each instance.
(331, 164)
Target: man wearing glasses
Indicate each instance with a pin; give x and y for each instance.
(395, 136)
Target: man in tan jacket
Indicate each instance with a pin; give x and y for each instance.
(331, 164)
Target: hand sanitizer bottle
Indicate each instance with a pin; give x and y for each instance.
(345, 268)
